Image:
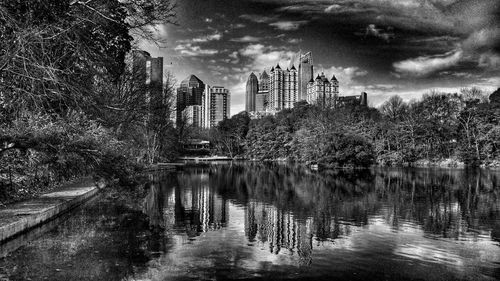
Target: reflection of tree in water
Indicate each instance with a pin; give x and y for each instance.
(153, 206)
(447, 203)
(291, 210)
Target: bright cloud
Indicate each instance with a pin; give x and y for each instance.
(194, 51)
(258, 18)
(288, 25)
(347, 78)
(264, 57)
(333, 8)
(247, 39)
(425, 65)
(211, 37)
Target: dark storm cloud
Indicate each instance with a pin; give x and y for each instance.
(474, 23)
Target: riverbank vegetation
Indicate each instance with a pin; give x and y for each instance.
(68, 102)
(460, 129)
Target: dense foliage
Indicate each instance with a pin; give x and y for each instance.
(440, 128)
(68, 102)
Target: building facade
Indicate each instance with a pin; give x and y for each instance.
(283, 88)
(306, 73)
(261, 99)
(252, 90)
(216, 102)
(190, 92)
(148, 76)
(344, 101)
(193, 115)
(323, 92)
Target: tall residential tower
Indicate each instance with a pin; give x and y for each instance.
(251, 93)
(215, 106)
(283, 88)
(262, 96)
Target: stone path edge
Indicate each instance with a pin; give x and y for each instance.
(20, 217)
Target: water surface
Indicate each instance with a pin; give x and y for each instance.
(253, 221)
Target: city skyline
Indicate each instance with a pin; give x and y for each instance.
(380, 47)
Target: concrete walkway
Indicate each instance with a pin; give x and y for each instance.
(19, 217)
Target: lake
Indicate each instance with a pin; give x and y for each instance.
(270, 221)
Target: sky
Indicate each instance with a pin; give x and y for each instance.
(382, 47)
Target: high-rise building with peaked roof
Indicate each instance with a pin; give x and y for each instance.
(190, 92)
(251, 92)
(283, 88)
(322, 91)
(262, 96)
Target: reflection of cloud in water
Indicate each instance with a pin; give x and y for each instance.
(254, 219)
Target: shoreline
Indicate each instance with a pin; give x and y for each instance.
(424, 163)
(22, 216)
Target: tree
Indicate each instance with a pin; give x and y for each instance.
(63, 76)
(394, 109)
(229, 135)
(53, 51)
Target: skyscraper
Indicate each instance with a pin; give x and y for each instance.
(251, 92)
(148, 75)
(216, 102)
(306, 73)
(262, 96)
(192, 115)
(148, 83)
(283, 88)
(190, 92)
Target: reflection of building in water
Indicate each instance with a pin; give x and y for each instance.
(283, 232)
(279, 229)
(196, 207)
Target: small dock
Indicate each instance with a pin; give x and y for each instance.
(204, 159)
(166, 166)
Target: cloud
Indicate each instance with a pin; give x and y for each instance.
(264, 57)
(258, 18)
(347, 78)
(234, 57)
(237, 97)
(208, 20)
(300, 8)
(237, 26)
(489, 60)
(436, 16)
(294, 41)
(211, 37)
(425, 65)
(288, 25)
(478, 45)
(372, 31)
(246, 39)
(194, 51)
(485, 38)
(333, 8)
